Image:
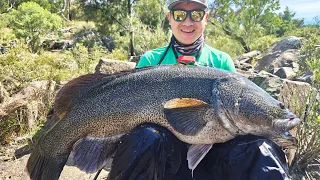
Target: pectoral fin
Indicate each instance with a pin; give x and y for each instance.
(196, 153)
(186, 115)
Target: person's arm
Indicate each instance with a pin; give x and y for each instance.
(228, 63)
(144, 61)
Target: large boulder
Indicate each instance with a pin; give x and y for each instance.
(109, 66)
(283, 53)
(289, 92)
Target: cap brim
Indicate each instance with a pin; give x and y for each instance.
(175, 3)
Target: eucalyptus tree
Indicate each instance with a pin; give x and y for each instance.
(242, 19)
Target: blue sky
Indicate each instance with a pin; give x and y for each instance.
(307, 9)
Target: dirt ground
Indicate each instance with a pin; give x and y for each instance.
(14, 169)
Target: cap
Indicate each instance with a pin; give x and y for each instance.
(172, 3)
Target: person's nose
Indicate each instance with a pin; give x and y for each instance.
(188, 21)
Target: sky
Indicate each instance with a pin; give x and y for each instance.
(306, 9)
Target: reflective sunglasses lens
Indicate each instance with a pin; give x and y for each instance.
(197, 15)
(179, 15)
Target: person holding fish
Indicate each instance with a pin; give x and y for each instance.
(244, 157)
(174, 122)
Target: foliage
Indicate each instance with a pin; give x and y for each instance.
(147, 38)
(33, 23)
(216, 38)
(4, 20)
(242, 20)
(9, 126)
(19, 67)
(86, 58)
(6, 37)
(303, 32)
(53, 6)
(309, 134)
(288, 22)
(263, 43)
(150, 12)
(110, 16)
(118, 54)
(22, 67)
(224, 43)
(310, 57)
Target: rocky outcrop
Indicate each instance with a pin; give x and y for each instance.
(244, 62)
(109, 66)
(283, 53)
(289, 92)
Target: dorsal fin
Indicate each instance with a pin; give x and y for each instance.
(78, 87)
(75, 89)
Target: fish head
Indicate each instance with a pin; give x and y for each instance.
(253, 111)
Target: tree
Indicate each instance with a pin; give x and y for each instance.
(288, 23)
(33, 23)
(242, 19)
(7, 5)
(119, 18)
(150, 12)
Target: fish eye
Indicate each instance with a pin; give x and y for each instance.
(281, 105)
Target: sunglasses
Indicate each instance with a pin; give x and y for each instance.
(180, 15)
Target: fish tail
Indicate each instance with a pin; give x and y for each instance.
(40, 167)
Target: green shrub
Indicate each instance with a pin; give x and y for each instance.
(33, 23)
(4, 20)
(310, 56)
(303, 32)
(263, 43)
(7, 36)
(309, 134)
(118, 54)
(147, 38)
(226, 44)
(86, 58)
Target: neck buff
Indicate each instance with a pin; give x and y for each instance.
(188, 49)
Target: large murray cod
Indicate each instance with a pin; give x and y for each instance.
(199, 105)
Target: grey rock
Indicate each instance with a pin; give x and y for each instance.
(290, 42)
(285, 73)
(281, 54)
(287, 59)
(109, 66)
(247, 57)
(304, 78)
(58, 45)
(287, 91)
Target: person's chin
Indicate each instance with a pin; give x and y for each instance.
(186, 39)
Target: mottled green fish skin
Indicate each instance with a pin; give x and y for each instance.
(116, 104)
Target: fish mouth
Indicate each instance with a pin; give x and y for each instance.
(285, 125)
(284, 138)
